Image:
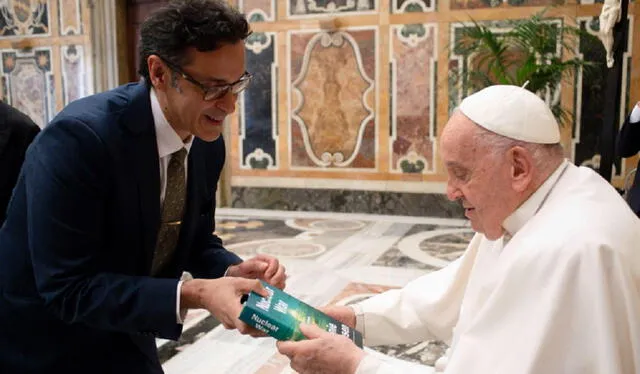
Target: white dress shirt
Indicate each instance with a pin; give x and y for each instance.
(634, 117)
(169, 142)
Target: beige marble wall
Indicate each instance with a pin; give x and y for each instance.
(46, 55)
(356, 92)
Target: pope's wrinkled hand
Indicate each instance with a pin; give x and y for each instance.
(264, 267)
(323, 352)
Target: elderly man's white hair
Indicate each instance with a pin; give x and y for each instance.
(542, 154)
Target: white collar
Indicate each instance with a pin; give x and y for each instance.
(530, 207)
(167, 138)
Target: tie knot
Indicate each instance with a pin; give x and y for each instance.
(179, 155)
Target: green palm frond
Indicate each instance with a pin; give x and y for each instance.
(479, 79)
(536, 35)
(526, 70)
(481, 40)
(531, 51)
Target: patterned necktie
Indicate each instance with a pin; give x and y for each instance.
(172, 210)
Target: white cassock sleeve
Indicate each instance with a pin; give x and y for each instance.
(571, 309)
(634, 117)
(425, 309)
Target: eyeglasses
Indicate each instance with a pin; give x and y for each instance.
(217, 91)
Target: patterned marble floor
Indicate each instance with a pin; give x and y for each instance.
(331, 258)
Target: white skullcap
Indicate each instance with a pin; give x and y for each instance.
(514, 112)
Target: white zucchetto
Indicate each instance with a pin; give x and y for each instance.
(514, 112)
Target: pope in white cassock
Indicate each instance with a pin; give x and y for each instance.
(550, 283)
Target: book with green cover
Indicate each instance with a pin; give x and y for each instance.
(280, 315)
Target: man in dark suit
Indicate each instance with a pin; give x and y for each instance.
(628, 145)
(113, 211)
(17, 131)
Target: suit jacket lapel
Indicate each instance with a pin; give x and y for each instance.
(142, 151)
(147, 169)
(5, 133)
(5, 130)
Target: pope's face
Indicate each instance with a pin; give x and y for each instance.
(478, 179)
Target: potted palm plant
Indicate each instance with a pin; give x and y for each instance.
(529, 51)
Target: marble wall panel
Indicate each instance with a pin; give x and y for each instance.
(413, 69)
(28, 83)
(24, 17)
(258, 121)
(475, 4)
(321, 134)
(332, 99)
(76, 81)
(459, 88)
(70, 17)
(258, 10)
(410, 6)
(460, 63)
(348, 201)
(306, 8)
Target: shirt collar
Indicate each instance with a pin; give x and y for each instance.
(529, 208)
(167, 138)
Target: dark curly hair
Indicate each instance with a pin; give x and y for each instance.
(205, 25)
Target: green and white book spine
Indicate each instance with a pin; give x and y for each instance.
(280, 315)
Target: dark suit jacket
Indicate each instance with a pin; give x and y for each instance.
(77, 246)
(627, 145)
(17, 131)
